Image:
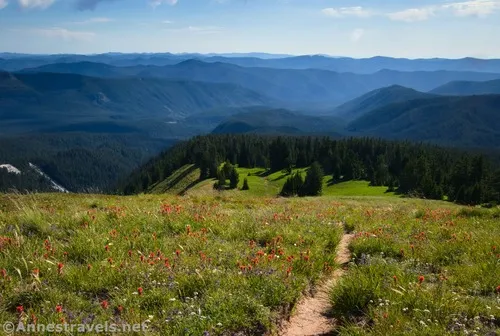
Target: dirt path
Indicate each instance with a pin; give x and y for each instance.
(309, 318)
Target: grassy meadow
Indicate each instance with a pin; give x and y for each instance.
(226, 263)
(261, 183)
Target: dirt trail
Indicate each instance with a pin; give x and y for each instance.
(309, 318)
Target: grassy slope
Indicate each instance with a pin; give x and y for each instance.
(262, 184)
(210, 287)
(179, 181)
(421, 271)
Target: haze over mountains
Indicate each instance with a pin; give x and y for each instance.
(155, 99)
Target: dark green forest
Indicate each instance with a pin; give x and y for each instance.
(80, 162)
(418, 170)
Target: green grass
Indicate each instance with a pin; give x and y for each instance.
(419, 269)
(353, 188)
(221, 265)
(234, 263)
(264, 184)
(181, 180)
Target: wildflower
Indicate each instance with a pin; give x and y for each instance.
(106, 248)
(20, 309)
(421, 279)
(3, 272)
(177, 252)
(59, 309)
(36, 272)
(89, 267)
(130, 253)
(395, 279)
(110, 261)
(104, 304)
(59, 268)
(140, 290)
(498, 289)
(120, 309)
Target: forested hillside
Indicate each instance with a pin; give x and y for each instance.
(470, 121)
(79, 162)
(411, 169)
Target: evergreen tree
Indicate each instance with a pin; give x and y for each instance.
(221, 183)
(313, 184)
(234, 179)
(245, 185)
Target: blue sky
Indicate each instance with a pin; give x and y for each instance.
(357, 28)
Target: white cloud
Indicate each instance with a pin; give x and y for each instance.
(478, 8)
(3, 4)
(413, 14)
(197, 29)
(357, 34)
(94, 20)
(156, 3)
(42, 4)
(347, 11)
(64, 34)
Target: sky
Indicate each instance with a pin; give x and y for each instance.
(355, 28)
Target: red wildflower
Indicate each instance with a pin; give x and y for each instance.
(20, 309)
(3, 272)
(59, 309)
(104, 304)
(498, 289)
(421, 279)
(177, 252)
(130, 253)
(36, 272)
(140, 290)
(106, 248)
(60, 267)
(288, 271)
(89, 267)
(386, 315)
(395, 278)
(120, 309)
(110, 261)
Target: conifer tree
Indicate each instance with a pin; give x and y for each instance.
(313, 184)
(245, 185)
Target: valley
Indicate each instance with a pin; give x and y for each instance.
(150, 102)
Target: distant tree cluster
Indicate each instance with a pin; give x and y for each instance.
(223, 173)
(311, 186)
(413, 169)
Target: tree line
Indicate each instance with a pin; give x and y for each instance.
(420, 170)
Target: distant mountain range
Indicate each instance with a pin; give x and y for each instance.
(279, 121)
(470, 121)
(377, 98)
(67, 102)
(87, 120)
(304, 89)
(394, 112)
(14, 62)
(465, 88)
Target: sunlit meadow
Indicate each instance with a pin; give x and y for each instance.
(225, 263)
